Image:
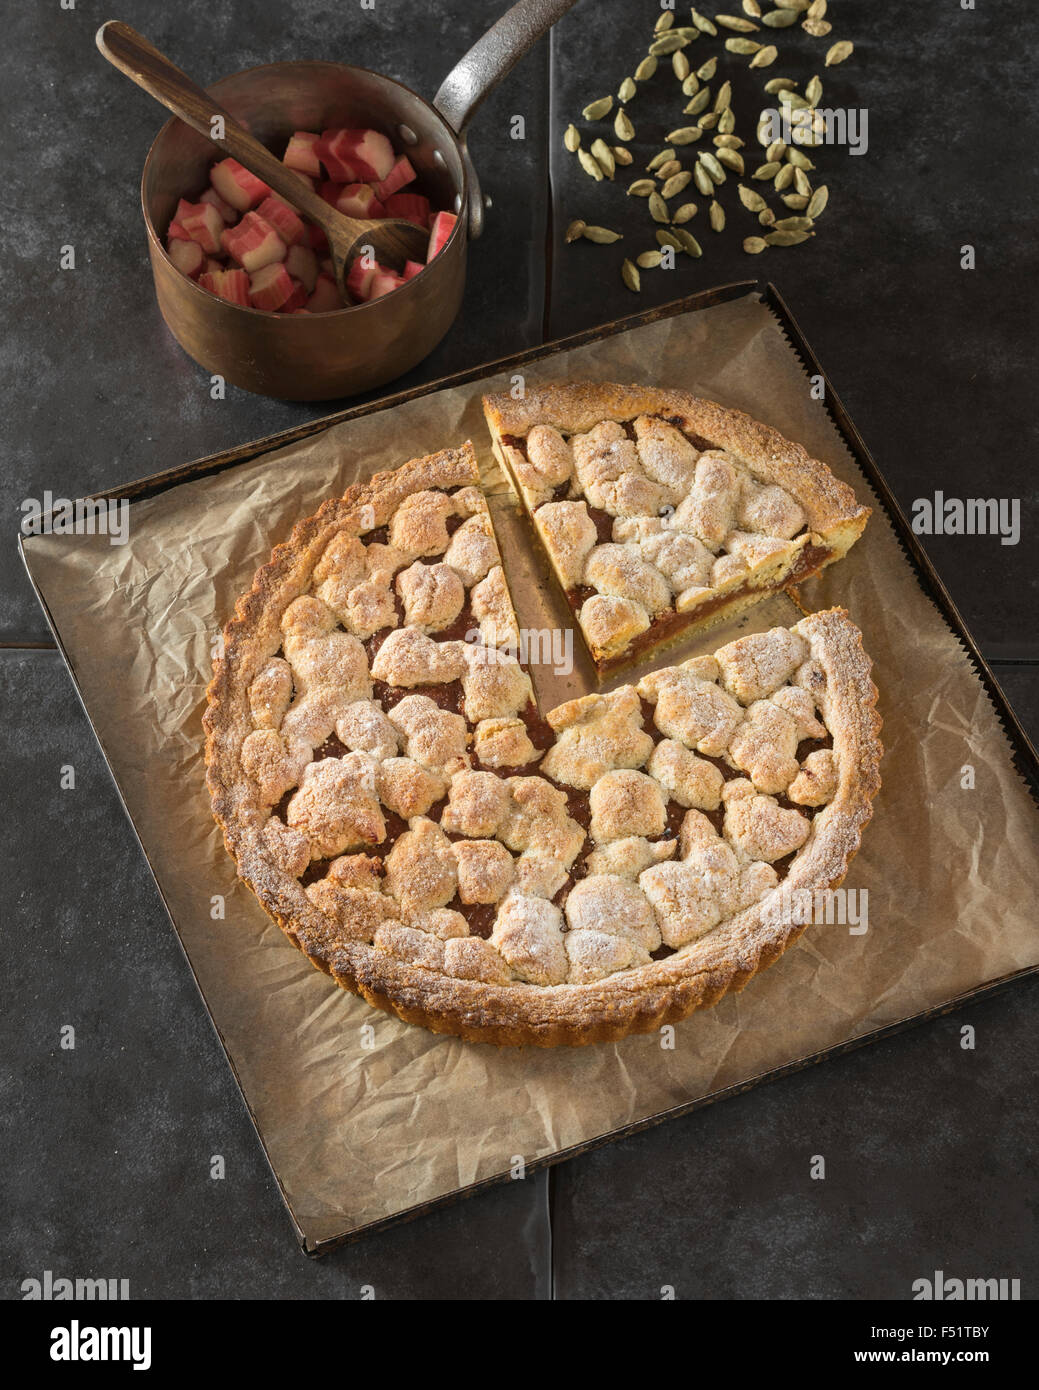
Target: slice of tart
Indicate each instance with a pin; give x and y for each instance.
(662, 513)
(387, 790)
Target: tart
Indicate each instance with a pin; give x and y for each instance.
(662, 513)
(385, 784)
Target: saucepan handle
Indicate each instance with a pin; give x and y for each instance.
(483, 67)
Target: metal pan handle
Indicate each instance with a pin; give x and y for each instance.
(483, 67)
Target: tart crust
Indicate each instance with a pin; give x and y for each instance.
(617, 632)
(396, 960)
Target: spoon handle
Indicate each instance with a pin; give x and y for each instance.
(133, 55)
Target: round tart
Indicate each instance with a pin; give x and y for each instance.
(390, 793)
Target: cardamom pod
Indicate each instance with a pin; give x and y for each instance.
(704, 25)
(675, 184)
(752, 201)
(776, 150)
(665, 21)
(710, 163)
(754, 245)
(698, 103)
(766, 217)
(658, 208)
(622, 155)
(732, 159)
(817, 9)
(726, 121)
(596, 110)
(780, 19)
(798, 159)
(724, 97)
(687, 242)
(602, 236)
(604, 157)
(818, 28)
(684, 214)
(572, 138)
(797, 201)
(766, 171)
(786, 238)
(667, 43)
(780, 84)
(665, 238)
(627, 89)
(590, 165)
(838, 52)
(817, 202)
(673, 166)
(717, 215)
(793, 224)
(707, 70)
(575, 229)
(765, 57)
(727, 142)
(703, 181)
(735, 23)
(801, 182)
(648, 260)
(641, 188)
(684, 135)
(744, 47)
(752, 8)
(659, 159)
(630, 276)
(691, 85)
(680, 65)
(784, 178)
(814, 90)
(707, 121)
(646, 69)
(622, 126)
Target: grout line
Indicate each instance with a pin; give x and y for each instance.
(29, 646)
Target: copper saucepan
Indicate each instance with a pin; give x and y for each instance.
(305, 357)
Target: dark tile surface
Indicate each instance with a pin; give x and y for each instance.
(935, 364)
(101, 392)
(108, 1146)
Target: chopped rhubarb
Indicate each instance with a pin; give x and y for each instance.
(410, 207)
(384, 282)
(411, 269)
(253, 243)
(301, 263)
(302, 155)
(214, 263)
(359, 277)
(367, 151)
(188, 257)
(236, 185)
(176, 230)
(358, 200)
(226, 211)
(204, 225)
(330, 191)
(232, 285)
(296, 300)
(271, 287)
(325, 297)
(401, 173)
(285, 220)
(331, 150)
(443, 226)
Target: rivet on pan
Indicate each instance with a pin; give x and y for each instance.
(439, 160)
(407, 135)
(458, 203)
(488, 202)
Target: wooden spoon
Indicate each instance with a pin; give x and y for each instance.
(392, 241)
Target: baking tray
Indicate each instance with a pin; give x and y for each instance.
(1023, 752)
